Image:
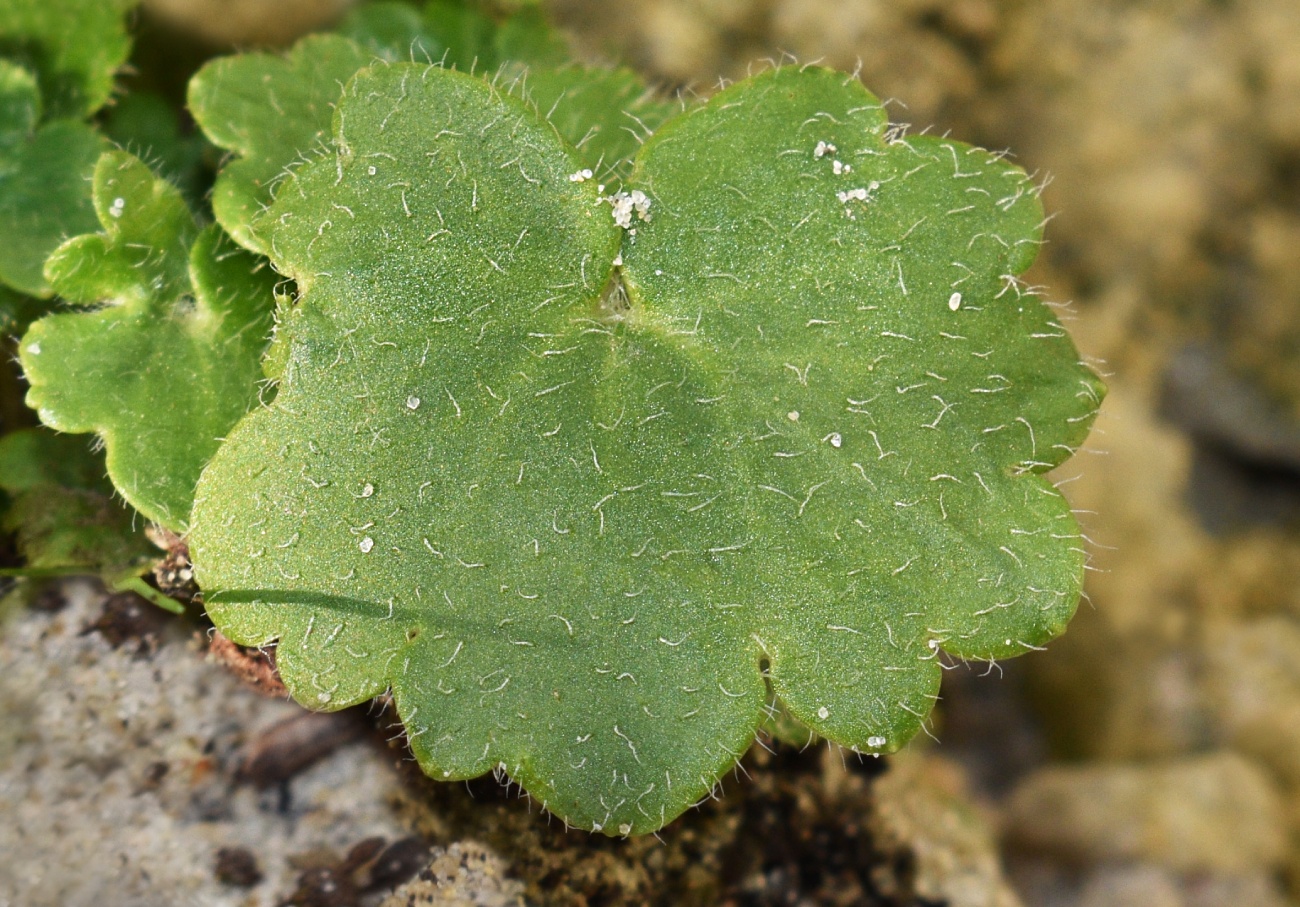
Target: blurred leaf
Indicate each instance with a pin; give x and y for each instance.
(61, 510)
(44, 174)
(528, 37)
(17, 310)
(456, 34)
(74, 47)
(146, 125)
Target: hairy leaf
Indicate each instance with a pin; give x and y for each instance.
(73, 46)
(576, 522)
(273, 111)
(61, 509)
(44, 173)
(454, 34)
(170, 361)
(270, 110)
(148, 126)
(457, 34)
(605, 113)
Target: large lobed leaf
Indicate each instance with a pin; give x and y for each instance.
(578, 532)
(172, 358)
(272, 111)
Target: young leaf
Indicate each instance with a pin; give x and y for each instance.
(447, 32)
(456, 34)
(574, 530)
(527, 37)
(148, 126)
(73, 46)
(171, 361)
(61, 508)
(605, 113)
(43, 181)
(270, 110)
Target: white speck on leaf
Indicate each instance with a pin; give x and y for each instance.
(793, 415)
(823, 149)
(627, 205)
(34, 349)
(366, 544)
(823, 713)
(860, 194)
(412, 402)
(954, 302)
(875, 742)
(580, 177)
(368, 490)
(117, 208)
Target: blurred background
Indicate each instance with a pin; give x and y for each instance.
(1152, 755)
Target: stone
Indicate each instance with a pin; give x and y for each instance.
(925, 801)
(1217, 812)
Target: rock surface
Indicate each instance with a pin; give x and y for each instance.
(117, 773)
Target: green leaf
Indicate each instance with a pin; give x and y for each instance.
(34, 458)
(457, 34)
(449, 33)
(61, 509)
(605, 113)
(527, 37)
(270, 111)
(392, 31)
(171, 360)
(18, 310)
(578, 523)
(75, 47)
(44, 174)
(148, 126)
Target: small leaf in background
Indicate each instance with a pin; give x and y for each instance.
(148, 126)
(526, 36)
(44, 174)
(172, 358)
(447, 32)
(605, 113)
(458, 35)
(17, 310)
(61, 509)
(579, 533)
(271, 111)
(74, 47)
